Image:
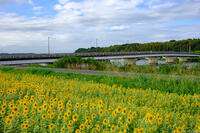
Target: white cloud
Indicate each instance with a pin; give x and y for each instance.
(121, 27)
(30, 2)
(61, 37)
(77, 24)
(58, 7)
(37, 8)
(63, 1)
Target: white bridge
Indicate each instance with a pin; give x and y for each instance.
(153, 58)
(129, 57)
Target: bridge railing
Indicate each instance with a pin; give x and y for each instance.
(94, 54)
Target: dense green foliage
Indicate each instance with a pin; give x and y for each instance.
(173, 45)
(72, 60)
(76, 62)
(170, 85)
(178, 69)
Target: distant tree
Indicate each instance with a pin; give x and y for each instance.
(172, 45)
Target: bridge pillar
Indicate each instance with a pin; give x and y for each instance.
(130, 61)
(183, 59)
(170, 59)
(153, 60)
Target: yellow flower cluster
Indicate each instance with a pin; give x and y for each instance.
(32, 103)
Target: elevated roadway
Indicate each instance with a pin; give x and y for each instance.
(107, 55)
(50, 58)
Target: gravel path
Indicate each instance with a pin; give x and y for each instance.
(124, 74)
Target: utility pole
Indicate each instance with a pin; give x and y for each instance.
(48, 45)
(96, 45)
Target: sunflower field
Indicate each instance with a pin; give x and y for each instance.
(33, 103)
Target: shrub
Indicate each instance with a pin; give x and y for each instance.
(75, 62)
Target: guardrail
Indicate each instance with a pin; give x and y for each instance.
(94, 54)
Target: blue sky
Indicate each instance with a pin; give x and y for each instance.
(30, 8)
(26, 24)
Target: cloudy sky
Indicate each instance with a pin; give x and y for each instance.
(26, 24)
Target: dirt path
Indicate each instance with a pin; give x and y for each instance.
(124, 74)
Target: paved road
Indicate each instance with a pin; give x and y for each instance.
(124, 74)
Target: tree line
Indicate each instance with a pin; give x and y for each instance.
(192, 45)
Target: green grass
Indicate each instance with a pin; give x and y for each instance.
(178, 69)
(42, 66)
(196, 52)
(170, 85)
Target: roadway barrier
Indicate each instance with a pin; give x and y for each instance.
(94, 54)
